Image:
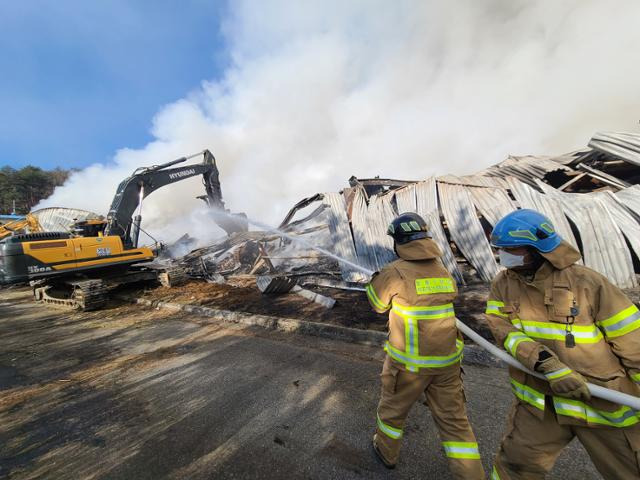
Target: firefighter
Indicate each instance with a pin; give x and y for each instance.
(572, 325)
(424, 349)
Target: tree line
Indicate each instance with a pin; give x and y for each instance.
(27, 186)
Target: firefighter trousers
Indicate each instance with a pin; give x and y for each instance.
(531, 446)
(445, 399)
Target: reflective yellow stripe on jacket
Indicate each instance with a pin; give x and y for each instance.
(622, 417)
(417, 361)
(375, 300)
(493, 308)
(556, 331)
(432, 312)
(513, 340)
(621, 323)
(411, 357)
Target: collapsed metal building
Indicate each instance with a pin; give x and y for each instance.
(592, 196)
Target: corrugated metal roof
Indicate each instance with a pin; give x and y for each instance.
(57, 219)
(630, 198)
(422, 196)
(622, 145)
(623, 218)
(465, 229)
(525, 168)
(369, 225)
(406, 199)
(379, 215)
(603, 246)
(492, 202)
(362, 235)
(342, 241)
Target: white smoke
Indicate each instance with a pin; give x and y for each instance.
(322, 90)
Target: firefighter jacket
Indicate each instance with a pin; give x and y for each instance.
(418, 292)
(586, 321)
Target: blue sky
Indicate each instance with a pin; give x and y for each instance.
(80, 79)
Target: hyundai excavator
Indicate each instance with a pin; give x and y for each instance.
(78, 268)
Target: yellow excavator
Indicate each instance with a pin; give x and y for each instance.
(29, 222)
(78, 268)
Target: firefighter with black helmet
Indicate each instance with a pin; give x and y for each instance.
(424, 349)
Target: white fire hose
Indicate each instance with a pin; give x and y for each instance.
(595, 390)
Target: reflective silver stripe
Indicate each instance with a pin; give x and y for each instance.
(545, 330)
(623, 417)
(425, 361)
(461, 450)
(423, 313)
(373, 296)
(560, 331)
(388, 430)
(623, 323)
(528, 394)
(513, 340)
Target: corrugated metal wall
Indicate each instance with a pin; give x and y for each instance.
(362, 235)
(379, 215)
(422, 199)
(342, 240)
(465, 229)
(603, 246)
(623, 218)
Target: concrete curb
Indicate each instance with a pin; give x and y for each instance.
(473, 354)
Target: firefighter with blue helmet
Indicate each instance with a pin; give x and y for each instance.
(424, 349)
(569, 323)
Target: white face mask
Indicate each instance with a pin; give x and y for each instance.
(509, 260)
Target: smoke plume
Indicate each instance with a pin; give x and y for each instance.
(318, 91)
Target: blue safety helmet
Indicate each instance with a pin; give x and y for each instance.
(525, 228)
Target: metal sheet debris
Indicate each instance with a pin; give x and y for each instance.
(586, 194)
(603, 246)
(466, 230)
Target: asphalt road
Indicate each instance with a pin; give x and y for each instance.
(134, 393)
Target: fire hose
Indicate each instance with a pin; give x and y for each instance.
(595, 390)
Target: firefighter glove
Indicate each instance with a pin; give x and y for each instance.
(563, 381)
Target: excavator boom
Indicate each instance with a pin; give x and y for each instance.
(132, 190)
(30, 223)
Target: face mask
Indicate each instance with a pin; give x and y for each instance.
(508, 260)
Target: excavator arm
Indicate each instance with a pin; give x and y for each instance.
(29, 223)
(132, 190)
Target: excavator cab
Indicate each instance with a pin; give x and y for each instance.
(89, 228)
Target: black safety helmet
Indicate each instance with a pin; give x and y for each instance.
(408, 227)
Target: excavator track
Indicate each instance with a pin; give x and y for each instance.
(173, 276)
(82, 295)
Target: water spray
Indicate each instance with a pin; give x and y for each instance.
(595, 390)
